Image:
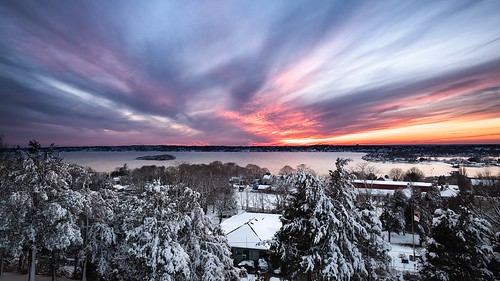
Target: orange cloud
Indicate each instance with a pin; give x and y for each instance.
(458, 131)
(454, 113)
(273, 121)
(272, 113)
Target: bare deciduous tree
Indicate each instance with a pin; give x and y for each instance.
(396, 174)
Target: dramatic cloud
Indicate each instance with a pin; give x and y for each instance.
(249, 72)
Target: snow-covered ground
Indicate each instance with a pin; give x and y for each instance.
(249, 198)
(401, 249)
(252, 277)
(401, 245)
(9, 276)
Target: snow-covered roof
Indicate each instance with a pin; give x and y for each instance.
(119, 187)
(248, 230)
(395, 183)
(450, 191)
(261, 186)
(484, 182)
(376, 191)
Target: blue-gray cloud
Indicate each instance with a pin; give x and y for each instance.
(170, 71)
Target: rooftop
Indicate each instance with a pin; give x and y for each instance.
(248, 230)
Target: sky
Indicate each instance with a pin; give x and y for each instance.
(249, 72)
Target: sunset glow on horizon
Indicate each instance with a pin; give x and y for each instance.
(250, 73)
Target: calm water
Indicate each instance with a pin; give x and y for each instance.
(320, 162)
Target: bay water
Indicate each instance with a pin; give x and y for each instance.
(320, 162)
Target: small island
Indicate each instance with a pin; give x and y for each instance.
(161, 157)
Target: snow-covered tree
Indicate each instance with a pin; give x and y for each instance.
(6, 236)
(148, 247)
(9, 236)
(299, 242)
(460, 247)
(368, 235)
(373, 247)
(392, 217)
(4, 239)
(165, 236)
(99, 235)
(9, 239)
(43, 203)
(206, 245)
(494, 265)
(322, 229)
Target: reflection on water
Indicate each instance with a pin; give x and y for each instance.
(320, 162)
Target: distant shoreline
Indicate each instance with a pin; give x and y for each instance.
(416, 149)
(375, 153)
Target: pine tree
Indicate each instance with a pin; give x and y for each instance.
(98, 232)
(460, 247)
(43, 203)
(368, 235)
(322, 229)
(8, 243)
(148, 242)
(494, 265)
(308, 220)
(164, 235)
(373, 247)
(392, 217)
(206, 245)
(425, 205)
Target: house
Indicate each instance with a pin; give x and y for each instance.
(260, 187)
(451, 190)
(484, 182)
(238, 183)
(267, 179)
(391, 185)
(247, 234)
(378, 190)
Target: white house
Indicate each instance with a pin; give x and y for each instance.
(247, 234)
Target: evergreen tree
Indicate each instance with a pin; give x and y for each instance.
(164, 235)
(7, 244)
(42, 203)
(424, 206)
(392, 217)
(494, 265)
(373, 247)
(99, 234)
(368, 235)
(148, 242)
(322, 230)
(460, 247)
(206, 245)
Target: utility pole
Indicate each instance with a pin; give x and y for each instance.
(415, 217)
(413, 231)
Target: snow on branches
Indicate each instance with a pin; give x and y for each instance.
(322, 229)
(460, 247)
